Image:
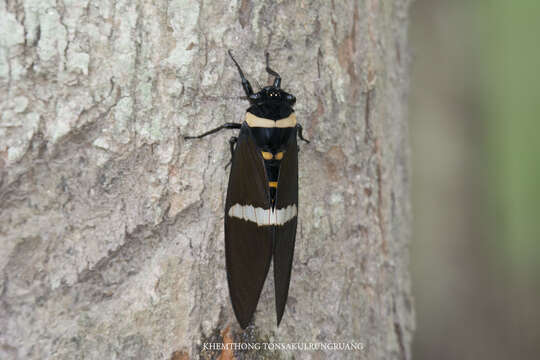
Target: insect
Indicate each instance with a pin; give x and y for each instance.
(262, 196)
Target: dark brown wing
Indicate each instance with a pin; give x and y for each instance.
(248, 247)
(285, 235)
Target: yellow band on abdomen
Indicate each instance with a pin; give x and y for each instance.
(267, 155)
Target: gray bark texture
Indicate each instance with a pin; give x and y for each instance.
(111, 224)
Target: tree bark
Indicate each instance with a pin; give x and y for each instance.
(111, 224)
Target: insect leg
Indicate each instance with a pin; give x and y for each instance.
(245, 84)
(232, 142)
(299, 128)
(224, 126)
(277, 80)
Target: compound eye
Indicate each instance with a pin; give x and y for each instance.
(256, 96)
(291, 99)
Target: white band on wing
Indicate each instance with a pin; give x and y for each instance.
(263, 217)
(255, 121)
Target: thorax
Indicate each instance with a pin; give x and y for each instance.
(271, 135)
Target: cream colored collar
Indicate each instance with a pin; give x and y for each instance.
(255, 121)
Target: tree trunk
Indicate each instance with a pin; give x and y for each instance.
(111, 224)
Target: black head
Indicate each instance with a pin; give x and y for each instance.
(272, 95)
(269, 95)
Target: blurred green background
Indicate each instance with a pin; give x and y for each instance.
(475, 128)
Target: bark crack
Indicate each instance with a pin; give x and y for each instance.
(398, 331)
